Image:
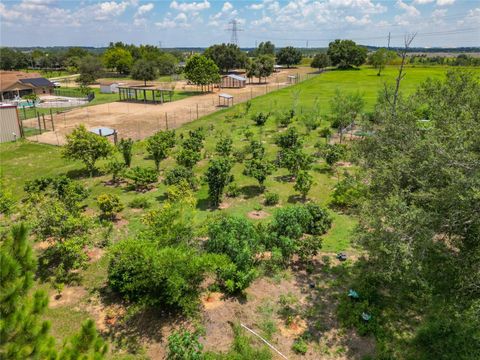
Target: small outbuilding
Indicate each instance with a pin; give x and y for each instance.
(225, 99)
(233, 81)
(10, 126)
(109, 87)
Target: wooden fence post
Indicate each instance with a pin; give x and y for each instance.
(44, 123)
(39, 124)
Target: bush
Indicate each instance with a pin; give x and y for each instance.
(300, 346)
(179, 174)
(260, 118)
(237, 238)
(348, 193)
(159, 145)
(139, 202)
(188, 157)
(115, 168)
(350, 315)
(126, 146)
(7, 203)
(286, 118)
(224, 146)
(184, 345)
(109, 205)
(310, 122)
(320, 220)
(163, 277)
(271, 199)
(232, 190)
(142, 177)
(218, 176)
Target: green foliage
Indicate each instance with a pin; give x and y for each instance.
(184, 345)
(380, 58)
(119, 59)
(260, 118)
(271, 199)
(218, 176)
(290, 139)
(237, 238)
(303, 183)
(165, 277)
(7, 203)
(300, 346)
(139, 202)
(188, 158)
(232, 190)
(142, 177)
(144, 70)
(294, 160)
(87, 344)
(264, 48)
(90, 69)
(348, 193)
(284, 119)
(87, 147)
(201, 71)
(257, 149)
(190, 152)
(345, 53)
(115, 168)
(332, 153)
(350, 314)
(345, 108)
(259, 169)
(224, 146)
(109, 205)
(262, 66)
(226, 56)
(176, 175)
(321, 61)
(126, 146)
(289, 56)
(159, 146)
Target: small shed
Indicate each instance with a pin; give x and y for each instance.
(225, 99)
(10, 128)
(292, 79)
(109, 87)
(233, 81)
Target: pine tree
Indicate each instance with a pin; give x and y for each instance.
(87, 345)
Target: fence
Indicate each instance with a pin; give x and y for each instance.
(139, 120)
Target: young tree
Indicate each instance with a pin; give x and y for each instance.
(87, 147)
(109, 205)
(226, 56)
(159, 146)
(380, 58)
(224, 146)
(144, 70)
(87, 344)
(125, 146)
(201, 71)
(303, 183)
(264, 48)
(259, 169)
(289, 56)
(218, 176)
(320, 61)
(345, 53)
(345, 109)
(184, 345)
(262, 66)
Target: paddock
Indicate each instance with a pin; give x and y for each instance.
(149, 95)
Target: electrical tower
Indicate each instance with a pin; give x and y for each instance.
(234, 31)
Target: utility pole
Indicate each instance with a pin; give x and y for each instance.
(388, 41)
(234, 31)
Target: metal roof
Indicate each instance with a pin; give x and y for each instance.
(237, 77)
(37, 82)
(226, 96)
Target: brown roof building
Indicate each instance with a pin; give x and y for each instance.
(18, 83)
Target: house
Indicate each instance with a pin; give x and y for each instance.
(233, 81)
(109, 87)
(10, 129)
(15, 84)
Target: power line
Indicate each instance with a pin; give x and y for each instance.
(234, 31)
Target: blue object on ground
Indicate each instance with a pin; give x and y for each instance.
(353, 294)
(366, 316)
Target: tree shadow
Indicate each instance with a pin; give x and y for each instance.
(295, 198)
(76, 174)
(251, 191)
(204, 205)
(284, 178)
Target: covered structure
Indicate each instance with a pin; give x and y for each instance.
(233, 81)
(109, 87)
(225, 99)
(15, 84)
(145, 94)
(105, 132)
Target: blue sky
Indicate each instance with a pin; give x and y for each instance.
(447, 23)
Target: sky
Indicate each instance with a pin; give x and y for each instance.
(199, 23)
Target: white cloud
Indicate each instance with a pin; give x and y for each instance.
(473, 17)
(255, 6)
(8, 15)
(143, 9)
(181, 17)
(409, 9)
(364, 6)
(423, 2)
(227, 7)
(445, 2)
(193, 6)
(166, 24)
(360, 22)
(262, 21)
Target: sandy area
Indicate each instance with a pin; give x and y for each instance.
(138, 120)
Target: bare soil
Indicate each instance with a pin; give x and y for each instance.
(256, 215)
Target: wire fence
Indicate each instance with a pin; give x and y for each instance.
(140, 120)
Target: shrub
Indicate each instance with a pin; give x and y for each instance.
(294, 160)
(232, 190)
(260, 118)
(139, 202)
(159, 145)
(218, 176)
(237, 238)
(115, 168)
(224, 146)
(184, 345)
(290, 139)
(259, 169)
(286, 118)
(165, 277)
(271, 199)
(178, 174)
(320, 220)
(109, 205)
(300, 346)
(348, 193)
(7, 203)
(257, 149)
(303, 183)
(142, 177)
(126, 146)
(311, 122)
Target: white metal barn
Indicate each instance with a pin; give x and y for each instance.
(109, 88)
(10, 129)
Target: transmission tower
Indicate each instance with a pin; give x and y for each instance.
(234, 31)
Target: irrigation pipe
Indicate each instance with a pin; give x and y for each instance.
(265, 341)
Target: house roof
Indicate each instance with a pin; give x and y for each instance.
(8, 79)
(37, 82)
(237, 77)
(225, 96)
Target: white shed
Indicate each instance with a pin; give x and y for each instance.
(10, 129)
(109, 88)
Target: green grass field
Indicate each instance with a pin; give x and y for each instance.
(22, 161)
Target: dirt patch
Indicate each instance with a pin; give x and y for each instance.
(95, 254)
(120, 223)
(70, 296)
(258, 214)
(224, 205)
(294, 329)
(346, 164)
(42, 245)
(212, 300)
